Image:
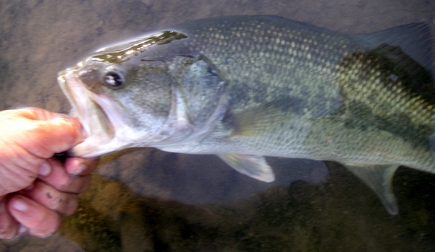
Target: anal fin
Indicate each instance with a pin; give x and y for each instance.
(379, 178)
(253, 166)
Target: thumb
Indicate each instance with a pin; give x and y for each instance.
(54, 136)
(35, 113)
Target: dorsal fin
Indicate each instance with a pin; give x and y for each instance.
(414, 77)
(414, 39)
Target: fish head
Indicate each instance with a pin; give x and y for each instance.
(137, 93)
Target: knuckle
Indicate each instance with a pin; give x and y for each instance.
(64, 204)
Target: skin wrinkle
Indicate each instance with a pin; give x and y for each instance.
(61, 202)
(39, 153)
(27, 140)
(17, 177)
(2, 186)
(38, 129)
(11, 174)
(19, 157)
(15, 152)
(31, 114)
(23, 157)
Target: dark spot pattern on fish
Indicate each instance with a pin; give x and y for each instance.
(403, 105)
(357, 115)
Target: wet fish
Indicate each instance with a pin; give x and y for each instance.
(245, 87)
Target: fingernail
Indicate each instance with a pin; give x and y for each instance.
(79, 170)
(44, 169)
(21, 230)
(20, 205)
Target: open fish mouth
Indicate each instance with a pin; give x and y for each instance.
(89, 108)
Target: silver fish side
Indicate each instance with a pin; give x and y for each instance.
(245, 87)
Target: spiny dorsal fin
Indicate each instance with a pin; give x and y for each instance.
(413, 76)
(414, 39)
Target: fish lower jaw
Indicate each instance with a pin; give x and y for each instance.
(85, 151)
(92, 147)
(100, 144)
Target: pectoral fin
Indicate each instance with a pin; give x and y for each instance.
(253, 166)
(379, 178)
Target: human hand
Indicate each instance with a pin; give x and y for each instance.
(36, 189)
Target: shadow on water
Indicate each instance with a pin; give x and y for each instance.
(149, 200)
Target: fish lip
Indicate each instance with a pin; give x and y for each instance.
(81, 100)
(69, 86)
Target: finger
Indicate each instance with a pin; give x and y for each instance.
(39, 220)
(63, 203)
(8, 225)
(42, 138)
(48, 137)
(80, 166)
(35, 113)
(62, 181)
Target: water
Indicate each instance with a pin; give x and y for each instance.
(154, 201)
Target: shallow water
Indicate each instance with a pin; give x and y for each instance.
(150, 200)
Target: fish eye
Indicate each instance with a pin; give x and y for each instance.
(113, 80)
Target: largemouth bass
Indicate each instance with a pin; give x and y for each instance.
(245, 87)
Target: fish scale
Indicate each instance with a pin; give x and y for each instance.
(287, 49)
(245, 87)
(298, 49)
